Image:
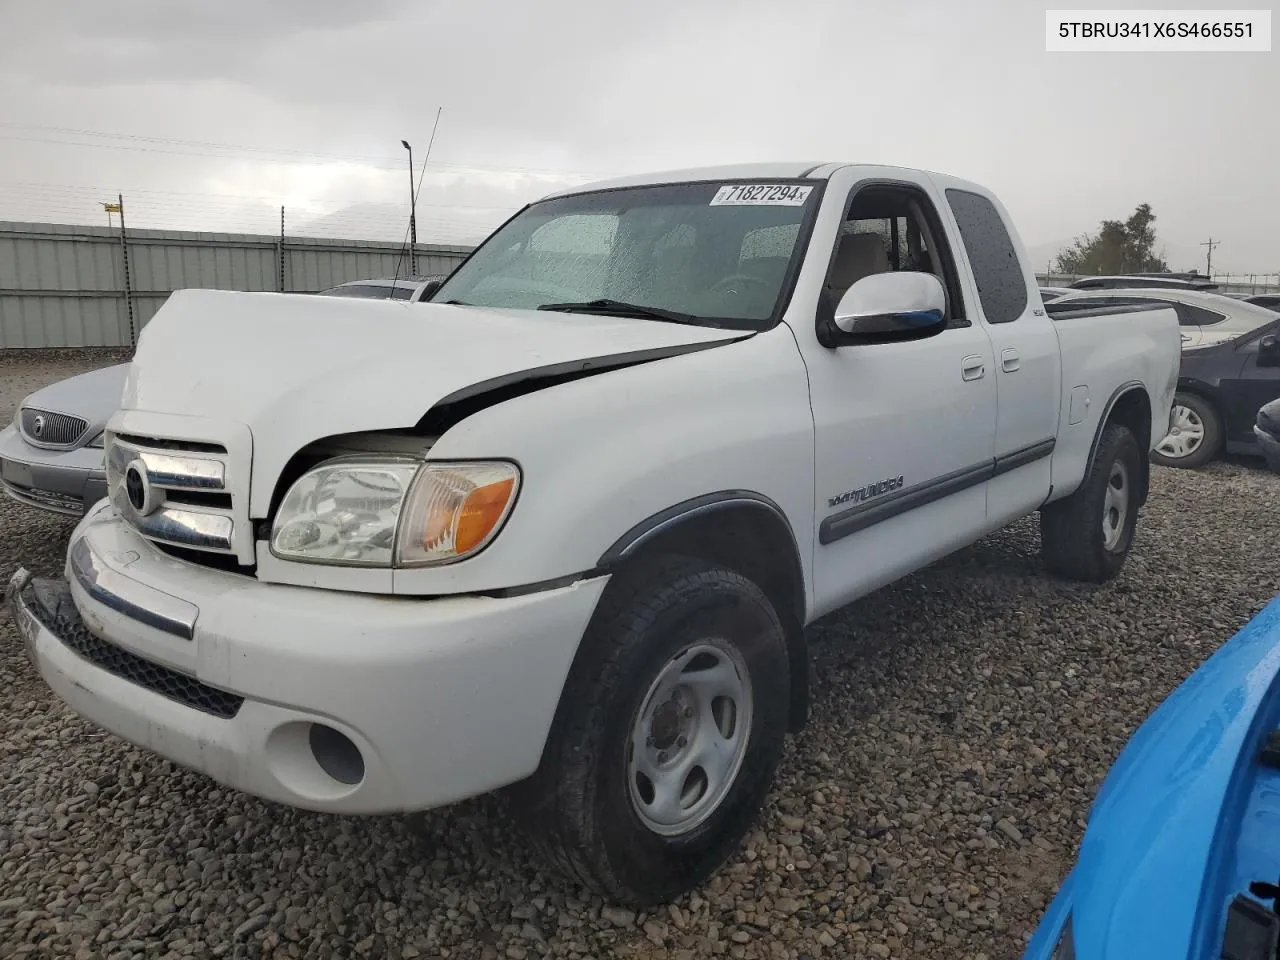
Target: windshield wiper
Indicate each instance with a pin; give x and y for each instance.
(620, 308)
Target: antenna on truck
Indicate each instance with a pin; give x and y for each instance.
(416, 192)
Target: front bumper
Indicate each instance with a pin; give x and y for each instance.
(249, 682)
(62, 481)
(1269, 447)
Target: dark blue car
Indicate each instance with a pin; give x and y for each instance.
(1181, 858)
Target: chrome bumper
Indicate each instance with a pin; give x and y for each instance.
(129, 597)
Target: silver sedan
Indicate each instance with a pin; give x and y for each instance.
(51, 455)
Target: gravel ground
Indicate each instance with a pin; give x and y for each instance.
(963, 720)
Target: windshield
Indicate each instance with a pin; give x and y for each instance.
(715, 253)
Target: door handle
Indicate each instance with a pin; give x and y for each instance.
(972, 367)
(1009, 361)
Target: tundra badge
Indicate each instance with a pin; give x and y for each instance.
(867, 492)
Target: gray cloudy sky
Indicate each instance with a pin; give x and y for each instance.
(160, 99)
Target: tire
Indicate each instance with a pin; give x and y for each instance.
(586, 805)
(1087, 535)
(1192, 414)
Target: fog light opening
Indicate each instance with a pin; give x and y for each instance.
(336, 754)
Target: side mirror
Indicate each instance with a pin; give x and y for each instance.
(890, 307)
(1269, 351)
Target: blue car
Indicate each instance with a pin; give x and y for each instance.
(1181, 857)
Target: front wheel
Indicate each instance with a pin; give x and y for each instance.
(1195, 434)
(1087, 535)
(667, 735)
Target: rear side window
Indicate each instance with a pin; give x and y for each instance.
(1002, 289)
(1185, 318)
(1190, 316)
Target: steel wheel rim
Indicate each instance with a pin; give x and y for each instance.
(1185, 435)
(1115, 505)
(689, 738)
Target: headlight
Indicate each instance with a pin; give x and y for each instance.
(393, 513)
(343, 512)
(98, 442)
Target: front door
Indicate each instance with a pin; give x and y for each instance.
(904, 431)
(1256, 385)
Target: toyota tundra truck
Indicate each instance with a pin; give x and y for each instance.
(559, 531)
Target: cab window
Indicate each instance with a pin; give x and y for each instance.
(890, 228)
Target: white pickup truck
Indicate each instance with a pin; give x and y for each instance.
(560, 531)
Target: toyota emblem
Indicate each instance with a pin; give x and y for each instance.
(37, 425)
(137, 488)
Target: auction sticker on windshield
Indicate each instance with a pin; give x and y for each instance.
(768, 194)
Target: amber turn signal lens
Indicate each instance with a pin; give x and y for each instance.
(455, 509)
(480, 513)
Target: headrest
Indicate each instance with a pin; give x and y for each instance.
(859, 255)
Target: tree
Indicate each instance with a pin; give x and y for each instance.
(1117, 248)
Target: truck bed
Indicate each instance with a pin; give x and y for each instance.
(1106, 349)
(1101, 307)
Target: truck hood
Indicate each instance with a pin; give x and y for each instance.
(296, 368)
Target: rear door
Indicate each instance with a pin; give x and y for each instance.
(1028, 364)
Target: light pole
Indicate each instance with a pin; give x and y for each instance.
(413, 218)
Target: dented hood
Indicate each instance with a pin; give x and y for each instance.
(295, 368)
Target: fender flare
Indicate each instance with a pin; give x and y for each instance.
(1125, 388)
(696, 508)
(693, 508)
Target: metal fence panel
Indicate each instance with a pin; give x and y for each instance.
(64, 285)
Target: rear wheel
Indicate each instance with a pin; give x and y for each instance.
(1194, 437)
(1087, 535)
(667, 735)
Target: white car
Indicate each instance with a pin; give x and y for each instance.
(1053, 293)
(1133, 281)
(1206, 318)
(566, 536)
(415, 289)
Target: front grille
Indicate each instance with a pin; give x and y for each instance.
(51, 602)
(44, 428)
(177, 493)
(160, 443)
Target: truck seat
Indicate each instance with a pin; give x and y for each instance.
(859, 255)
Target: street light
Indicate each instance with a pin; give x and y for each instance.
(413, 218)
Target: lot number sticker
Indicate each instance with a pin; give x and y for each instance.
(761, 194)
